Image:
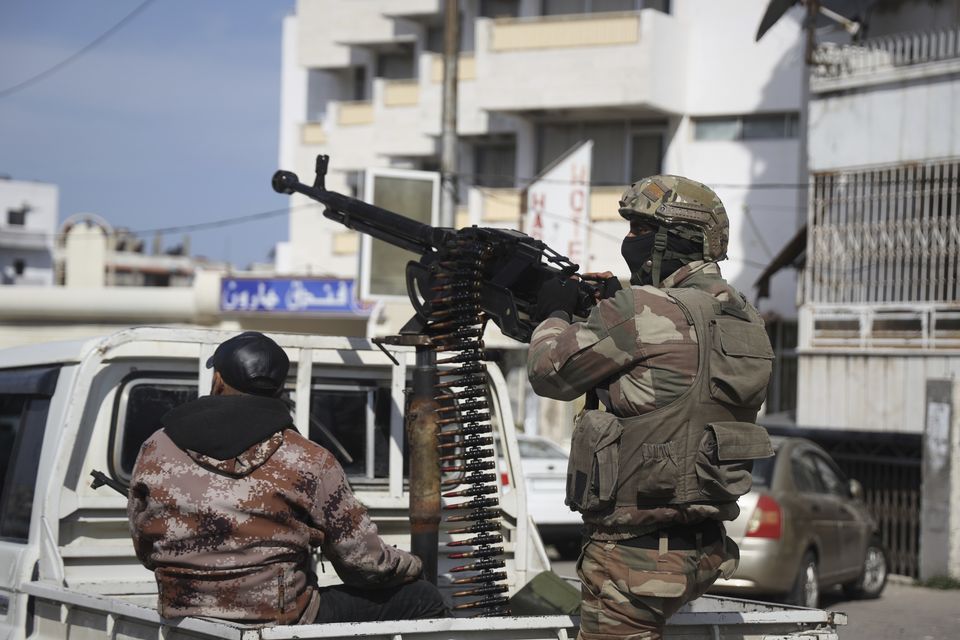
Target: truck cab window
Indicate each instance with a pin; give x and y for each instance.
(24, 404)
(141, 403)
(359, 418)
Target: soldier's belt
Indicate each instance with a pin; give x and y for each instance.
(679, 537)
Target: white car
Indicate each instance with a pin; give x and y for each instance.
(544, 466)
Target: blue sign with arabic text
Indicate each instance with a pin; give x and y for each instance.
(290, 295)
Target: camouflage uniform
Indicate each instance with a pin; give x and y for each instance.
(232, 538)
(641, 352)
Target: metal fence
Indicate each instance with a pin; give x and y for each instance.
(886, 235)
(889, 52)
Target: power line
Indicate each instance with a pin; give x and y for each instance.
(60, 65)
(525, 181)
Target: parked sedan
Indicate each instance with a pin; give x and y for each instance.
(544, 466)
(804, 527)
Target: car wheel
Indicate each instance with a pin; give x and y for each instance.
(873, 578)
(806, 589)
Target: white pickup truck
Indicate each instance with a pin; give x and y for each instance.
(67, 567)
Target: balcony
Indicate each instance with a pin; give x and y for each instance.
(25, 239)
(895, 58)
(501, 207)
(531, 64)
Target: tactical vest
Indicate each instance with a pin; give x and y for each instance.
(697, 449)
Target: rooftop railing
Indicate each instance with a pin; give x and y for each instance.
(832, 61)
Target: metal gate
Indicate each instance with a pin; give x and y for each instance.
(888, 465)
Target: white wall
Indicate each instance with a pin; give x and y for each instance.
(33, 242)
(861, 392)
(897, 122)
(727, 72)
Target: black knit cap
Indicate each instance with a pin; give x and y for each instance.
(251, 363)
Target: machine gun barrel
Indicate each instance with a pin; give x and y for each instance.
(366, 218)
(463, 277)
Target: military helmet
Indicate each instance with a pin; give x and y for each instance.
(681, 205)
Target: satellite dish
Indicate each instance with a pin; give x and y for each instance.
(774, 12)
(777, 8)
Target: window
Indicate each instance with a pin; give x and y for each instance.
(567, 7)
(834, 482)
(359, 79)
(140, 404)
(763, 471)
(18, 217)
(494, 163)
(541, 449)
(355, 421)
(747, 127)
(805, 474)
(396, 66)
(499, 8)
(622, 151)
(24, 404)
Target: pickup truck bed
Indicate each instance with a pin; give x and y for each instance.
(63, 613)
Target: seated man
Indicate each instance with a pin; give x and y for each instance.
(228, 499)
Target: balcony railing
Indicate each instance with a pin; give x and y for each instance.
(355, 113)
(401, 93)
(833, 61)
(313, 133)
(517, 34)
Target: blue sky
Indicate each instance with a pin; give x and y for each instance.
(172, 120)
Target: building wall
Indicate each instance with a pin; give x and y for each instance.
(699, 61)
(905, 120)
(32, 243)
(858, 391)
(882, 123)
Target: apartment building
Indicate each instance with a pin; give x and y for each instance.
(879, 338)
(28, 222)
(659, 87)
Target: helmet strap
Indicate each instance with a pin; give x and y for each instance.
(659, 249)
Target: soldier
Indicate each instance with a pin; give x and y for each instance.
(228, 499)
(681, 363)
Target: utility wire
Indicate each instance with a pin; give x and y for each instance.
(60, 65)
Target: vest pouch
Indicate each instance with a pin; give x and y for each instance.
(725, 458)
(594, 461)
(741, 362)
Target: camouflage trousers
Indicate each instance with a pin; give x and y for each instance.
(629, 592)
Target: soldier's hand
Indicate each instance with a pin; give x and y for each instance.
(555, 295)
(608, 283)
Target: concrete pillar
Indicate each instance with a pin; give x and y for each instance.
(940, 497)
(85, 256)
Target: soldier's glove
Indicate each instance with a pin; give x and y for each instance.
(555, 295)
(607, 284)
(609, 287)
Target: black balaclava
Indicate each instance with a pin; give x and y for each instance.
(639, 253)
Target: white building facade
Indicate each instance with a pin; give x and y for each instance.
(880, 321)
(673, 87)
(659, 87)
(28, 225)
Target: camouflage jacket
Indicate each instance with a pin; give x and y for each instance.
(640, 353)
(232, 538)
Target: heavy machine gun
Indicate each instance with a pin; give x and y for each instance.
(507, 269)
(462, 279)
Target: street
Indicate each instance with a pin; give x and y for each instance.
(902, 612)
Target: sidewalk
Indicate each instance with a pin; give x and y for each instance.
(903, 611)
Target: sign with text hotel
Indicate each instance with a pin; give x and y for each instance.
(558, 204)
(290, 295)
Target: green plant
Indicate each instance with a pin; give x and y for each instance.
(941, 582)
